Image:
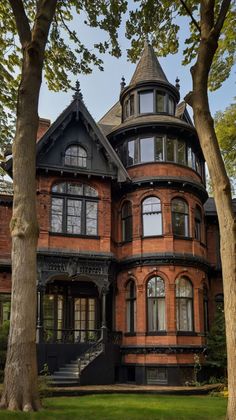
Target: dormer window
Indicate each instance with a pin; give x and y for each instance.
(76, 156)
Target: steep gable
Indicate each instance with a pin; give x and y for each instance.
(75, 126)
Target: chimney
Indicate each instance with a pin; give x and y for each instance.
(44, 124)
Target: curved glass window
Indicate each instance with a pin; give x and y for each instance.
(159, 149)
(74, 209)
(184, 304)
(127, 221)
(146, 102)
(130, 307)
(180, 223)
(156, 304)
(151, 215)
(76, 156)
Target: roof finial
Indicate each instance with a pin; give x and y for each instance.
(122, 84)
(77, 94)
(177, 85)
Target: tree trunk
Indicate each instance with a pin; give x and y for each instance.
(20, 391)
(204, 124)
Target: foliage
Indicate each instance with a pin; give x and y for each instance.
(158, 20)
(65, 54)
(225, 127)
(216, 341)
(4, 330)
(128, 406)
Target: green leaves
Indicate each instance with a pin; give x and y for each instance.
(65, 55)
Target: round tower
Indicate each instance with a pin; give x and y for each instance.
(159, 233)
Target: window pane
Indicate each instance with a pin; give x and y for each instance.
(171, 106)
(89, 191)
(131, 152)
(170, 155)
(147, 149)
(146, 102)
(151, 204)
(57, 213)
(160, 102)
(180, 224)
(179, 206)
(59, 188)
(189, 157)
(74, 189)
(181, 156)
(152, 224)
(74, 216)
(91, 218)
(184, 288)
(156, 287)
(159, 149)
(156, 375)
(132, 105)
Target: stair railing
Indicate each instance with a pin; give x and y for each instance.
(97, 347)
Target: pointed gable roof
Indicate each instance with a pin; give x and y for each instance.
(148, 67)
(79, 110)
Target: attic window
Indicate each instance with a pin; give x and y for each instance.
(76, 156)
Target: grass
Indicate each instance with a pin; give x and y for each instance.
(127, 407)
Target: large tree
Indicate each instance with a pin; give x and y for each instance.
(211, 45)
(32, 36)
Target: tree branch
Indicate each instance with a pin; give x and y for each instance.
(191, 15)
(221, 17)
(22, 22)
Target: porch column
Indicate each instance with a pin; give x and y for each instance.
(39, 325)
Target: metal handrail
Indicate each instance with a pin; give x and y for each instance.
(89, 353)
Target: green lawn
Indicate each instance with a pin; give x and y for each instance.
(128, 407)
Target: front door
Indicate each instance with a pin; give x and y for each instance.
(85, 319)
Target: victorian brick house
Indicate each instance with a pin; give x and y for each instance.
(128, 252)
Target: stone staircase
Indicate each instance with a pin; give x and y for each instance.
(69, 375)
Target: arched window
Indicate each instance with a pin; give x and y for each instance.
(151, 215)
(127, 221)
(156, 304)
(131, 307)
(180, 223)
(198, 223)
(74, 209)
(184, 304)
(205, 309)
(76, 156)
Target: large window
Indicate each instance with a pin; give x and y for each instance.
(205, 309)
(184, 304)
(53, 317)
(127, 221)
(180, 222)
(156, 304)
(76, 156)
(151, 215)
(131, 307)
(74, 209)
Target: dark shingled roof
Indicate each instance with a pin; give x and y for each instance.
(6, 187)
(210, 207)
(148, 67)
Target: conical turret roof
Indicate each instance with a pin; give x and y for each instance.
(148, 67)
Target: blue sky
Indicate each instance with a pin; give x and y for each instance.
(101, 89)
